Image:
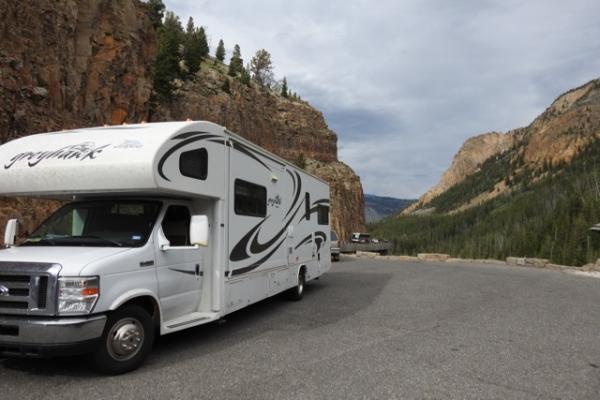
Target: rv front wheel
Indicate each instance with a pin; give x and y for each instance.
(297, 292)
(126, 341)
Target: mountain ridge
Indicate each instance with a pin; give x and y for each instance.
(379, 207)
(537, 198)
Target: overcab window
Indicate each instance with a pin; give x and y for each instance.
(250, 199)
(194, 164)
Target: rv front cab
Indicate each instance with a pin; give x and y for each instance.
(10, 234)
(198, 235)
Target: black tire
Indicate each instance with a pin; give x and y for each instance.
(297, 292)
(134, 326)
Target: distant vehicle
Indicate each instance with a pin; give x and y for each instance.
(374, 240)
(358, 237)
(335, 247)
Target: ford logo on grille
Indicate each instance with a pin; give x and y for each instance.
(3, 291)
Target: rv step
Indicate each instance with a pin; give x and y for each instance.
(191, 319)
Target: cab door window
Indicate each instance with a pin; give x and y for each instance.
(176, 225)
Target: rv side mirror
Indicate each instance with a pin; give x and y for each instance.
(199, 230)
(10, 234)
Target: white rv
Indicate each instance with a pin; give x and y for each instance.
(166, 226)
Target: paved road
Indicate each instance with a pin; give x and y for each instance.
(369, 330)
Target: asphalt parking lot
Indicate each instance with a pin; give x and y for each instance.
(368, 330)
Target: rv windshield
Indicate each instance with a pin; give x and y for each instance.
(111, 223)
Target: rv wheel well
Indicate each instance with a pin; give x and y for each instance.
(148, 304)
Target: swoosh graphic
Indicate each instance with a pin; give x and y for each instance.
(298, 190)
(258, 263)
(257, 247)
(320, 238)
(243, 149)
(307, 239)
(239, 251)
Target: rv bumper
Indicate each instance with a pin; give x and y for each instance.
(37, 337)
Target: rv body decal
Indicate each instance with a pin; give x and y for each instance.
(81, 151)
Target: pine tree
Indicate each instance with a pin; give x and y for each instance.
(201, 36)
(191, 51)
(195, 46)
(245, 76)
(220, 54)
(166, 68)
(284, 88)
(156, 11)
(236, 64)
(262, 68)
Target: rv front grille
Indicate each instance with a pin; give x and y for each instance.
(28, 288)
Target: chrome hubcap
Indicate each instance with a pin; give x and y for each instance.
(125, 339)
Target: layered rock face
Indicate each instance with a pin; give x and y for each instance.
(560, 133)
(67, 64)
(290, 129)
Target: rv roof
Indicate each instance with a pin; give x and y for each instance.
(99, 160)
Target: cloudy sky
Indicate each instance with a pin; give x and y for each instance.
(405, 82)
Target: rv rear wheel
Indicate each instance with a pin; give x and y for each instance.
(127, 339)
(297, 292)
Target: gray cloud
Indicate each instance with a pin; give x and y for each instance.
(405, 83)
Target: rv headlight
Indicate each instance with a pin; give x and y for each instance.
(78, 295)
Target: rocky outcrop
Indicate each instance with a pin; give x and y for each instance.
(347, 199)
(554, 138)
(467, 161)
(68, 63)
(565, 128)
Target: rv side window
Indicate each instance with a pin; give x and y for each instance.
(250, 199)
(194, 164)
(307, 205)
(323, 215)
(176, 225)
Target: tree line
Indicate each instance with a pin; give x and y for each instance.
(182, 51)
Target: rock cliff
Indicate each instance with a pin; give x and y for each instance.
(467, 161)
(69, 63)
(291, 129)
